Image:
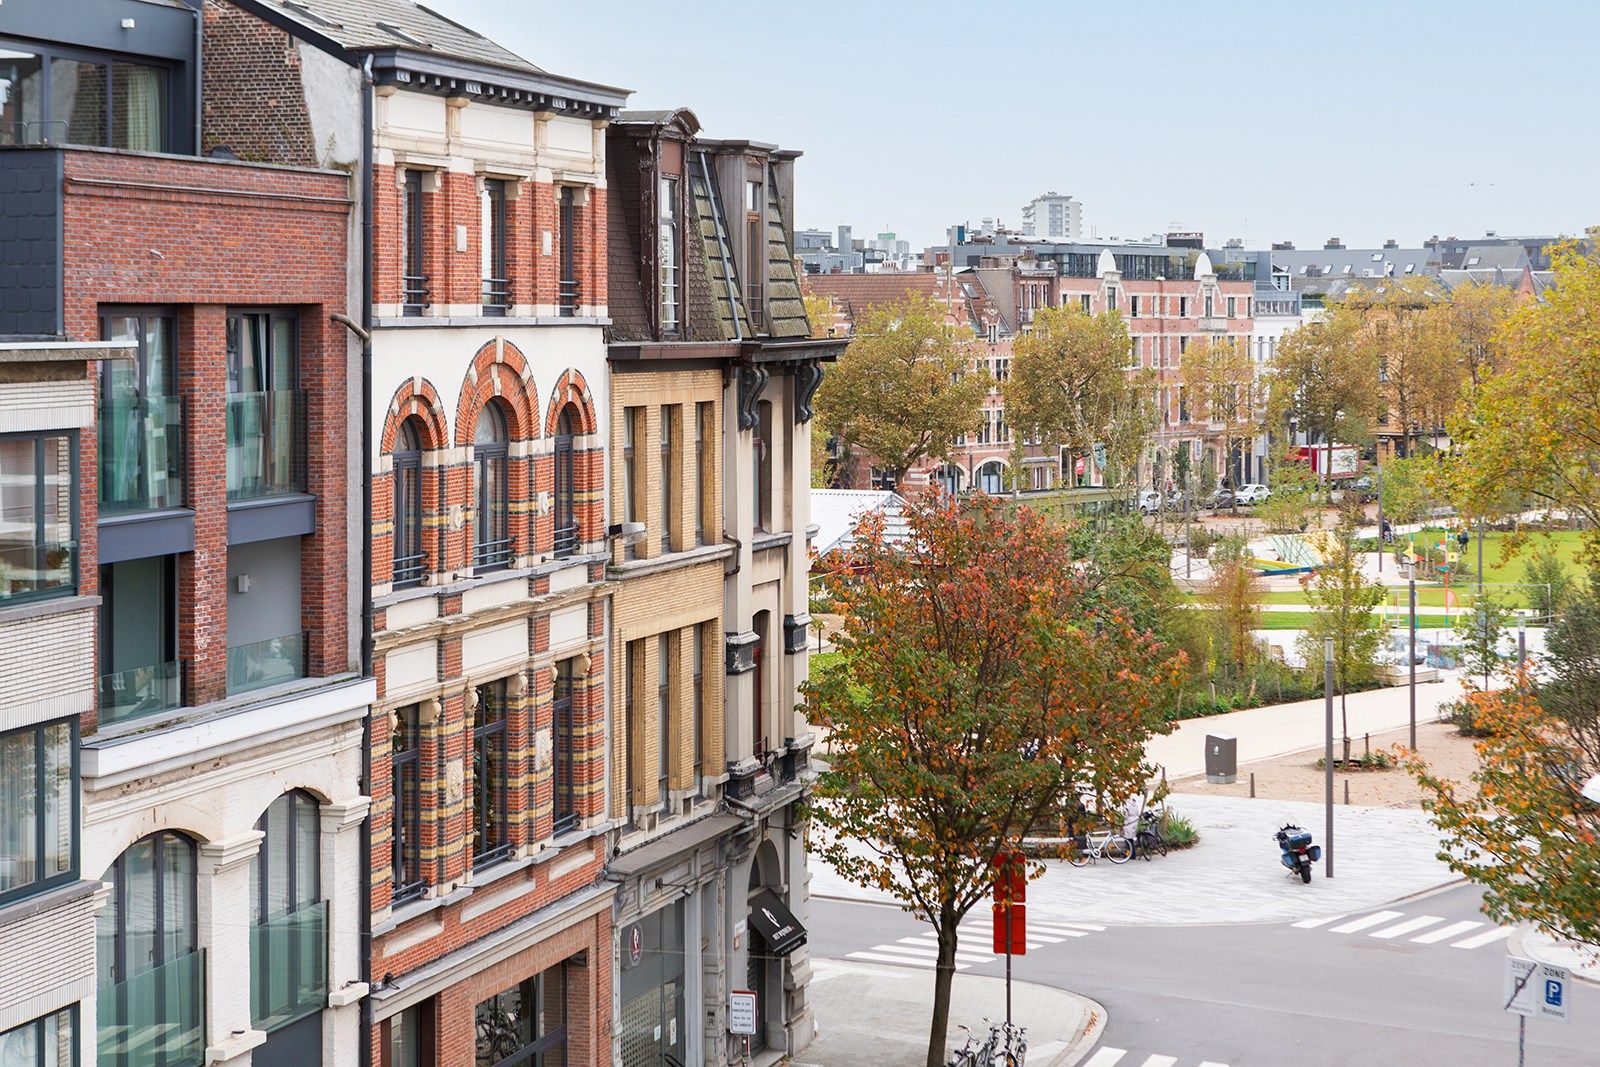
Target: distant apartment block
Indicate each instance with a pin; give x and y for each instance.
(1053, 217)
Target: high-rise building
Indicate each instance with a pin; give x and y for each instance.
(1054, 217)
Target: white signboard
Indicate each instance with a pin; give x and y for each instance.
(741, 1012)
(1544, 993)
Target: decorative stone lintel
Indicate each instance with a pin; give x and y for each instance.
(235, 1045)
(228, 853)
(741, 651)
(342, 815)
(795, 629)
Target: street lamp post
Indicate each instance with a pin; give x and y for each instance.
(1411, 658)
(1327, 752)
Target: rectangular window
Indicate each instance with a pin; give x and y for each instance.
(705, 437)
(564, 733)
(491, 842)
(1133, 307)
(755, 291)
(409, 1037)
(762, 448)
(667, 250)
(1210, 305)
(38, 808)
(1233, 306)
(669, 480)
(406, 761)
(526, 1025)
(139, 669)
(1183, 307)
(265, 410)
(492, 236)
(48, 1042)
(569, 252)
(634, 753)
(631, 482)
(141, 416)
(413, 249)
(702, 636)
(1111, 298)
(1088, 303)
(38, 515)
(664, 652)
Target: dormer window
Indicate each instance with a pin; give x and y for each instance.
(667, 230)
(755, 288)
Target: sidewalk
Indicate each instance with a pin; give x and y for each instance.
(1283, 728)
(880, 1015)
(1233, 875)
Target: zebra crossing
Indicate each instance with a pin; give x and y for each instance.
(1395, 925)
(1115, 1057)
(922, 950)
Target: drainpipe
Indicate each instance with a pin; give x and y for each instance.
(365, 1036)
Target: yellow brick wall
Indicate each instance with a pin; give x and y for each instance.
(649, 390)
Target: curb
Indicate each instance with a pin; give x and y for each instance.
(1087, 1037)
(1515, 945)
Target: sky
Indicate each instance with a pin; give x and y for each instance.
(1359, 120)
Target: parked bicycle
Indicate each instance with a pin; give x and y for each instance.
(1151, 836)
(1006, 1046)
(1092, 846)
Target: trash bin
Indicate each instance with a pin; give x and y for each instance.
(1222, 759)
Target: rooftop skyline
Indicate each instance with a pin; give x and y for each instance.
(1374, 121)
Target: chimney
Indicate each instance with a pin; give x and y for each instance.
(1333, 242)
(1283, 246)
(1391, 243)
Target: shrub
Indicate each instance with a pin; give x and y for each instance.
(1464, 715)
(1179, 832)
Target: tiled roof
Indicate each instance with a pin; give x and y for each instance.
(373, 25)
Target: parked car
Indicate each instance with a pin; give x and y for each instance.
(1254, 493)
(1219, 499)
(1365, 489)
(1176, 501)
(1149, 502)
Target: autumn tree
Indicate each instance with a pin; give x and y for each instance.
(1219, 385)
(1530, 436)
(1325, 381)
(1071, 386)
(1527, 834)
(820, 313)
(1396, 332)
(1233, 597)
(1407, 492)
(1342, 601)
(906, 386)
(1475, 316)
(976, 685)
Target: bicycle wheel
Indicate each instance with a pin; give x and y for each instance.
(1117, 850)
(1079, 854)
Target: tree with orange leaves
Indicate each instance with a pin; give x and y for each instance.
(977, 686)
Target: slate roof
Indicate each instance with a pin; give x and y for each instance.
(371, 25)
(838, 511)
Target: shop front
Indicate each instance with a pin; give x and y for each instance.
(655, 1017)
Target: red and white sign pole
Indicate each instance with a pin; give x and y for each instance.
(1010, 913)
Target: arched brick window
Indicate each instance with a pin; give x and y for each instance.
(410, 560)
(566, 488)
(491, 545)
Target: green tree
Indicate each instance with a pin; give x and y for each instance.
(1342, 600)
(1480, 631)
(971, 693)
(1070, 381)
(1294, 496)
(1394, 332)
(1552, 584)
(1219, 384)
(1407, 493)
(1530, 437)
(906, 386)
(1325, 380)
(1233, 598)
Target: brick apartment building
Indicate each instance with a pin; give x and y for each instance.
(712, 372)
(180, 546)
(1169, 298)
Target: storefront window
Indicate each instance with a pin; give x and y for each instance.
(653, 1020)
(526, 1024)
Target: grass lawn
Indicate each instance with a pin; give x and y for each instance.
(1300, 620)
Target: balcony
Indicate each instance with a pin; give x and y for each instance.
(566, 539)
(140, 691)
(266, 444)
(496, 295)
(414, 294)
(1214, 323)
(289, 966)
(263, 663)
(155, 1019)
(141, 455)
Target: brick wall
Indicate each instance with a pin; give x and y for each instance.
(199, 237)
(253, 101)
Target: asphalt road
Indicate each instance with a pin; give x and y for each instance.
(1417, 983)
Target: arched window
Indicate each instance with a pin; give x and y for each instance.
(289, 919)
(151, 973)
(567, 536)
(409, 559)
(492, 520)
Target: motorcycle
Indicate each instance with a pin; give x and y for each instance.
(1298, 853)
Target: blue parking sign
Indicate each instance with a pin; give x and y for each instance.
(1553, 990)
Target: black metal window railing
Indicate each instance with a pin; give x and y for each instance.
(569, 297)
(496, 295)
(566, 540)
(415, 293)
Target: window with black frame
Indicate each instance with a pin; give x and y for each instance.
(410, 560)
(491, 546)
(38, 515)
(569, 294)
(496, 278)
(491, 842)
(526, 1024)
(565, 735)
(413, 254)
(664, 650)
(141, 415)
(289, 918)
(151, 992)
(51, 1041)
(406, 763)
(566, 487)
(38, 809)
(66, 96)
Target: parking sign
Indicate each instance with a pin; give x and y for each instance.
(1544, 989)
